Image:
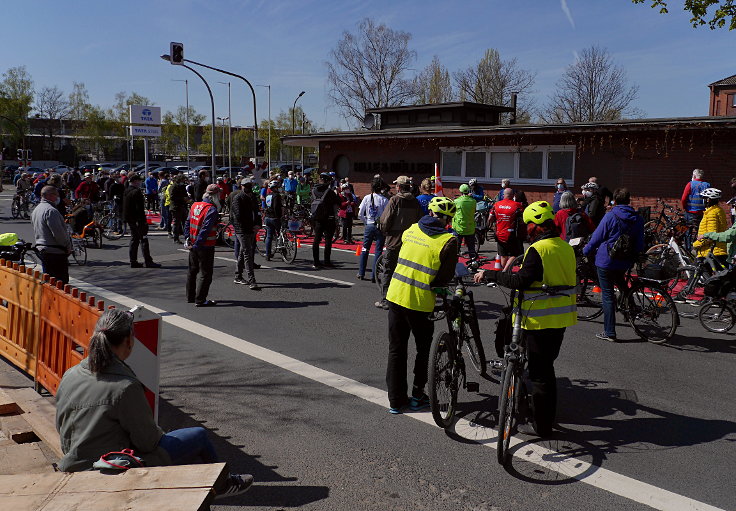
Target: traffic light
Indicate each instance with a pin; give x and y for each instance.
(260, 148)
(19, 153)
(176, 50)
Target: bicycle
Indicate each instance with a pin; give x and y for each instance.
(23, 205)
(25, 254)
(112, 225)
(514, 365)
(284, 241)
(446, 362)
(226, 233)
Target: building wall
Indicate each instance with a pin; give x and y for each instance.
(651, 164)
(722, 101)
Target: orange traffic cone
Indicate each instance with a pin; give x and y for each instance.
(358, 250)
(497, 263)
(596, 289)
(298, 243)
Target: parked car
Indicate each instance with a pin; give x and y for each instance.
(124, 167)
(90, 167)
(181, 168)
(151, 166)
(60, 169)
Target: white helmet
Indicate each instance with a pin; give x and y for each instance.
(711, 193)
(472, 182)
(273, 184)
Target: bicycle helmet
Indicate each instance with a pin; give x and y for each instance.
(711, 193)
(442, 206)
(589, 186)
(538, 213)
(464, 188)
(472, 182)
(273, 184)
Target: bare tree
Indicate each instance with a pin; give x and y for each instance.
(51, 107)
(492, 80)
(366, 69)
(433, 84)
(592, 89)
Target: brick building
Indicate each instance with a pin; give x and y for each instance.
(652, 157)
(723, 97)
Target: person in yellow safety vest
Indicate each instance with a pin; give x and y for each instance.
(548, 261)
(427, 260)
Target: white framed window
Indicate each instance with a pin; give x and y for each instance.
(524, 165)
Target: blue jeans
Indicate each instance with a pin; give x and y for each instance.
(165, 220)
(370, 235)
(273, 226)
(188, 445)
(606, 280)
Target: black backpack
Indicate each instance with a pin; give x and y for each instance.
(318, 208)
(575, 227)
(623, 248)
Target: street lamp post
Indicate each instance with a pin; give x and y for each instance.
(229, 133)
(186, 89)
(222, 120)
(212, 101)
(270, 162)
(293, 125)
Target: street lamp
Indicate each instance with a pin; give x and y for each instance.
(223, 119)
(167, 58)
(293, 125)
(186, 89)
(270, 162)
(229, 133)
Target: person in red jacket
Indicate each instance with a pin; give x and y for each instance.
(201, 237)
(568, 207)
(506, 214)
(88, 189)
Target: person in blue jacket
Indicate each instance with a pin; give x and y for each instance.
(151, 183)
(622, 219)
(560, 188)
(476, 190)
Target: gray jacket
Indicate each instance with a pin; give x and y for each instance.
(49, 229)
(99, 413)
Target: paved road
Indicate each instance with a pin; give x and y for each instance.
(641, 425)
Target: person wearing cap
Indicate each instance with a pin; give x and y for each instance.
(464, 221)
(549, 261)
(324, 203)
(200, 233)
(88, 189)
(244, 216)
(152, 191)
(303, 191)
(593, 205)
(402, 211)
(426, 261)
(134, 214)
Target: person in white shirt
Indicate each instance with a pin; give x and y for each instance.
(369, 212)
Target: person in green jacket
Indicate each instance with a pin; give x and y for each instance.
(101, 407)
(728, 236)
(303, 191)
(464, 221)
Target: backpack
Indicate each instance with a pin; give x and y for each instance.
(318, 208)
(575, 226)
(623, 248)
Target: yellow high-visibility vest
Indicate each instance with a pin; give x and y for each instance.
(542, 311)
(419, 261)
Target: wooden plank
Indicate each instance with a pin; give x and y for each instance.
(17, 429)
(40, 414)
(179, 499)
(23, 459)
(7, 404)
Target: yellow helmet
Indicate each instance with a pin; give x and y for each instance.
(538, 213)
(442, 206)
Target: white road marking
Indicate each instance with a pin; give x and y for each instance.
(570, 467)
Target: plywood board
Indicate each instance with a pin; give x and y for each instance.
(23, 459)
(7, 404)
(40, 414)
(17, 429)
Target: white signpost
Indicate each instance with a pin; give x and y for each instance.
(150, 118)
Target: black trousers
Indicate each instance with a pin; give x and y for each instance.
(323, 229)
(178, 220)
(401, 323)
(138, 236)
(246, 249)
(56, 265)
(199, 276)
(544, 347)
(390, 258)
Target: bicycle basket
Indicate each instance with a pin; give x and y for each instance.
(653, 272)
(294, 225)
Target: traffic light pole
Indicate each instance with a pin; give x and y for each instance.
(252, 90)
(212, 134)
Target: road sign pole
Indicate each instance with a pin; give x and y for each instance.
(145, 156)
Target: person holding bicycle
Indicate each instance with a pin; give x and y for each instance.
(713, 221)
(426, 261)
(548, 262)
(622, 221)
(272, 215)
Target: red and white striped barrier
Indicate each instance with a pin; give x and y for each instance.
(145, 360)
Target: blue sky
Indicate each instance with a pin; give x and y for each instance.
(115, 46)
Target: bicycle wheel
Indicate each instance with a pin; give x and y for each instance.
(589, 299)
(228, 235)
(473, 344)
(379, 272)
(97, 237)
(652, 312)
(32, 259)
(443, 381)
(507, 401)
(79, 251)
(110, 229)
(717, 316)
(15, 208)
(288, 250)
(261, 241)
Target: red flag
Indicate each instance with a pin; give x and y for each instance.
(437, 181)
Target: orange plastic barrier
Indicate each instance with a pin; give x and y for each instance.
(68, 318)
(20, 301)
